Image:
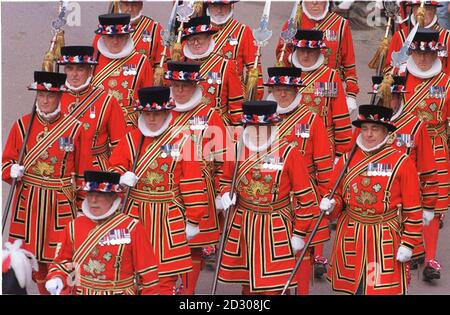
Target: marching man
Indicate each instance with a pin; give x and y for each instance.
(168, 193)
(265, 233)
(339, 53)
(209, 137)
(430, 22)
(121, 71)
(100, 114)
(379, 211)
(44, 200)
(103, 251)
(234, 40)
(427, 97)
(222, 84)
(323, 93)
(308, 131)
(147, 32)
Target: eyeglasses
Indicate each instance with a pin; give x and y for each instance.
(199, 39)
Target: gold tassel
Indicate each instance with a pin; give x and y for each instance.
(385, 89)
(381, 51)
(176, 53)
(198, 9)
(252, 79)
(280, 63)
(158, 76)
(47, 64)
(299, 15)
(59, 43)
(420, 17)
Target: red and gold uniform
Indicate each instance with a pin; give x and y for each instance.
(257, 251)
(121, 78)
(307, 130)
(102, 120)
(146, 38)
(333, 109)
(339, 53)
(44, 200)
(235, 41)
(434, 110)
(222, 87)
(170, 192)
(106, 257)
(376, 214)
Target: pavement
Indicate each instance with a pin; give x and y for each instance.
(26, 35)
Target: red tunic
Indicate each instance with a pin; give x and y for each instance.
(210, 150)
(225, 93)
(380, 214)
(257, 249)
(314, 145)
(400, 36)
(44, 199)
(103, 123)
(332, 109)
(147, 39)
(169, 193)
(115, 77)
(235, 41)
(339, 53)
(434, 109)
(89, 262)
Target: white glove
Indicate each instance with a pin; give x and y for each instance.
(427, 217)
(351, 104)
(218, 201)
(327, 205)
(404, 254)
(54, 286)
(17, 171)
(191, 231)
(129, 179)
(297, 243)
(227, 201)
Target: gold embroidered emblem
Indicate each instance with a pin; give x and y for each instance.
(365, 181)
(366, 198)
(255, 188)
(72, 106)
(116, 72)
(424, 115)
(307, 98)
(43, 169)
(41, 135)
(116, 94)
(94, 267)
(229, 54)
(112, 83)
(256, 174)
(391, 138)
(153, 165)
(313, 109)
(152, 177)
(44, 155)
(206, 100)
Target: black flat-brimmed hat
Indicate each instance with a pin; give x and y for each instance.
(374, 114)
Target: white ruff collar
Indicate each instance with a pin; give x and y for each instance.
(398, 112)
(260, 148)
(319, 18)
(378, 146)
(126, 51)
(48, 116)
(315, 66)
(194, 101)
(435, 69)
(147, 132)
(90, 215)
(291, 107)
(187, 52)
(219, 22)
(414, 21)
(135, 19)
(81, 88)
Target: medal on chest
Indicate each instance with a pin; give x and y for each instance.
(302, 130)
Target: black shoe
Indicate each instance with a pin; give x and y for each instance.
(320, 266)
(432, 271)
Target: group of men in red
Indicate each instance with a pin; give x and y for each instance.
(197, 149)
